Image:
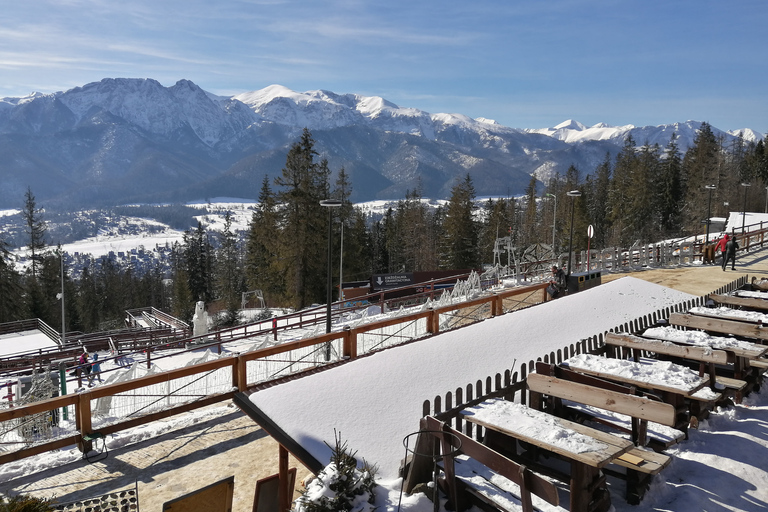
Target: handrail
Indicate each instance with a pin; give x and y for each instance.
(237, 363)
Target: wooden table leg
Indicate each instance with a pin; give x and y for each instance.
(588, 489)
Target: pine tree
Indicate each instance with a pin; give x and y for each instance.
(530, 224)
(303, 223)
(262, 271)
(597, 188)
(228, 272)
(620, 195)
(36, 230)
(669, 190)
(701, 165)
(10, 283)
(461, 234)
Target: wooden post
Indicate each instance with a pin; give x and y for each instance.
(284, 493)
(83, 419)
(350, 343)
(239, 374)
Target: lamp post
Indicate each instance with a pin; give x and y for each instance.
(766, 200)
(572, 194)
(744, 213)
(709, 210)
(330, 204)
(554, 220)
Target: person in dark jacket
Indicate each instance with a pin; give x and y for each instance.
(557, 283)
(730, 252)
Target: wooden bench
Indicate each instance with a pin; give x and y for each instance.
(709, 324)
(544, 442)
(641, 464)
(657, 436)
(484, 475)
(706, 358)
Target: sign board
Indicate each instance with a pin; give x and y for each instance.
(216, 497)
(386, 281)
(590, 231)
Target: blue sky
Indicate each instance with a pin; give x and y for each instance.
(529, 64)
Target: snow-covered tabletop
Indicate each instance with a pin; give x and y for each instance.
(658, 375)
(572, 440)
(702, 339)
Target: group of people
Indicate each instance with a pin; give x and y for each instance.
(92, 370)
(728, 245)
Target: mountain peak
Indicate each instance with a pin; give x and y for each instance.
(570, 124)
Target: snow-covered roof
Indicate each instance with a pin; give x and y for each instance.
(375, 401)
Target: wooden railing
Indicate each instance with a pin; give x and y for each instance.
(350, 343)
(507, 385)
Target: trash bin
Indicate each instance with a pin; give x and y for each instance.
(583, 280)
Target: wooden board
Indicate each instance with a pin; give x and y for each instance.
(216, 497)
(267, 496)
(613, 446)
(645, 461)
(742, 302)
(703, 354)
(635, 406)
(719, 326)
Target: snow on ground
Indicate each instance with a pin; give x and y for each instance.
(25, 341)
(376, 400)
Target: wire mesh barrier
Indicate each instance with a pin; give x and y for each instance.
(146, 394)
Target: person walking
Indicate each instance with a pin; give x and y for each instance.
(730, 252)
(95, 369)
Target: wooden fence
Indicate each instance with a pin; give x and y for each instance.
(236, 373)
(507, 385)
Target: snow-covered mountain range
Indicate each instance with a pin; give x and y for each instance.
(134, 140)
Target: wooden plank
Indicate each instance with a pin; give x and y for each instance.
(669, 348)
(507, 468)
(719, 326)
(613, 445)
(730, 383)
(635, 406)
(742, 302)
(645, 461)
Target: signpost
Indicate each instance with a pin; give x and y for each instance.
(388, 281)
(590, 234)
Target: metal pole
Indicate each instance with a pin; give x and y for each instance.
(554, 222)
(572, 194)
(709, 210)
(329, 203)
(63, 325)
(341, 263)
(329, 283)
(744, 213)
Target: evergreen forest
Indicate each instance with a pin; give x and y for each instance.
(645, 194)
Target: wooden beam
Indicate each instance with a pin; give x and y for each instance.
(719, 326)
(742, 302)
(668, 348)
(635, 406)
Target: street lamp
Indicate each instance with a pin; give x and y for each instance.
(709, 210)
(572, 194)
(766, 200)
(330, 204)
(554, 220)
(744, 216)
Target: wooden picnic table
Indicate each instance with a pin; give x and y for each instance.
(748, 358)
(586, 449)
(673, 383)
(650, 374)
